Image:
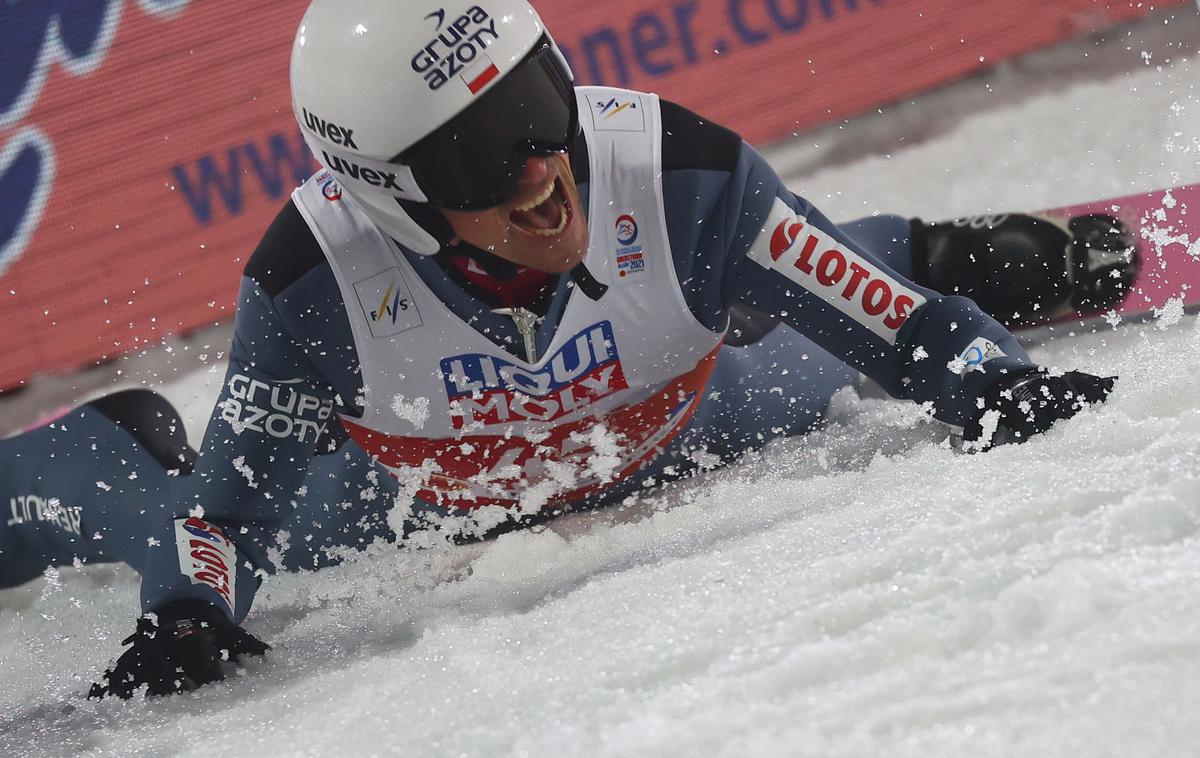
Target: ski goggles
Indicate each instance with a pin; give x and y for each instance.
(475, 159)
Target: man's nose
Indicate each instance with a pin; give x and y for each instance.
(535, 171)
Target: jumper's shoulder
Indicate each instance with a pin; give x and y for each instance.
(288, 250)
(690, 141)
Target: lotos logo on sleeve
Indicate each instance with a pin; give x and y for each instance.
(206, 556)
(833, 272)
(484, 389)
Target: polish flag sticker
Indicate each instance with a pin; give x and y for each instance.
(479, 73)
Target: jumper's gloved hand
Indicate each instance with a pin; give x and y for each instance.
(1105, 262)
(178, 648)
(1024, 270)
(1016, 407)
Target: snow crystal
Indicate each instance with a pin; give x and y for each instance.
(275, 553)
(605, 460)
(1170, 314)
(957, 366)
(243, 468)
(415, 411)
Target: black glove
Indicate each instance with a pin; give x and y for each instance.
(1031, 402)
(1105, 260)
(1024, 270)
(179, 649)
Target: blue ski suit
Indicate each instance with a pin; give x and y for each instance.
(92, 487)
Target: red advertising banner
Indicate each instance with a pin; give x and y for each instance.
(146, 144)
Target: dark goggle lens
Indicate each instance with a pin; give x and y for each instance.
(474, 160)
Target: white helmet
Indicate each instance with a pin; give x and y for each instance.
(414, 102)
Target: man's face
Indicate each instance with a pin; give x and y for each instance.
(542, 227)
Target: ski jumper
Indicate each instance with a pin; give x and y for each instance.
(686, 222)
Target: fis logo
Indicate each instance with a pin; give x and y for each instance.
(206, 556)
(613, 107)
(618, 114)
(484, 389)
(822, 265)
(457, 50)
(390, 306)
(387, 304)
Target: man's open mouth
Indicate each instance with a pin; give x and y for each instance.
(546, 215)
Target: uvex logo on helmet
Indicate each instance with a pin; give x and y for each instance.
(346, 167)
(457, 44)
(338, 135)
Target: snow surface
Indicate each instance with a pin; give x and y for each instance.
(864, 591)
